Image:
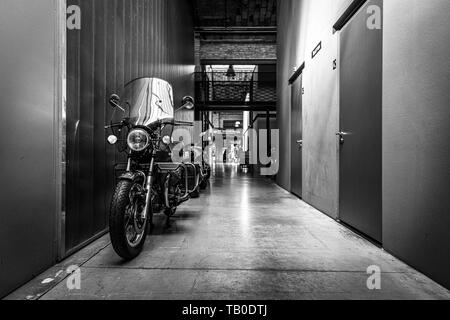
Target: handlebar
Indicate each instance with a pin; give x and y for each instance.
(177, 123)
(159, 123)
(115, 125)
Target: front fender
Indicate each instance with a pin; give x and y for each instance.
(137, 177)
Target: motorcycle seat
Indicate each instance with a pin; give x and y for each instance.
(167, 166)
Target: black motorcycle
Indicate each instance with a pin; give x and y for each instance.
(151, 183)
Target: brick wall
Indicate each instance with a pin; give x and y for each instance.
(238, 51)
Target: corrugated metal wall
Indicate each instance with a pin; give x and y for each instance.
(119, 40)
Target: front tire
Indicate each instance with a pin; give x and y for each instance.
(120, 219)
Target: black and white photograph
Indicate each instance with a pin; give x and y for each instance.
(213, 158)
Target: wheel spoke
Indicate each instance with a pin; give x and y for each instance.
(128, 217)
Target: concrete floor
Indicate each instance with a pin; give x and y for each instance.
(245, 238)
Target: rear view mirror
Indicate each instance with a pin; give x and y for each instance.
(114, 101)
(114, 98)
(187, 103)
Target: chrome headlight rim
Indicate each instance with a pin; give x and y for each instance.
(141, 132)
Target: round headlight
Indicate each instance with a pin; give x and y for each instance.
(138, 140)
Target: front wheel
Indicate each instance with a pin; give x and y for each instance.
(127, 225)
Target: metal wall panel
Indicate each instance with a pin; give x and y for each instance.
(29, 65)
(416, 134)
(119, 40)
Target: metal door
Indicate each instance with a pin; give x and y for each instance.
(360, 116)
(297, 137)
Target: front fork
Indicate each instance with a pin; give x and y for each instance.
(147, 187)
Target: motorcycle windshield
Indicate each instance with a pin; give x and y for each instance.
(148, 100)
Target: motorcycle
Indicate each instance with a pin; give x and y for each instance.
(198, 157)
(152, 182)
(203, 169)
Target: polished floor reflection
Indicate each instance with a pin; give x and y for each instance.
(245, 238)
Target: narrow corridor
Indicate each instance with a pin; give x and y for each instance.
(245, 238)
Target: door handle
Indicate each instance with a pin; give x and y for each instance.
(300, 143)
(341, 136)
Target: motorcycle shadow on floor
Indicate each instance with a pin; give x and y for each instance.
(178, 224)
